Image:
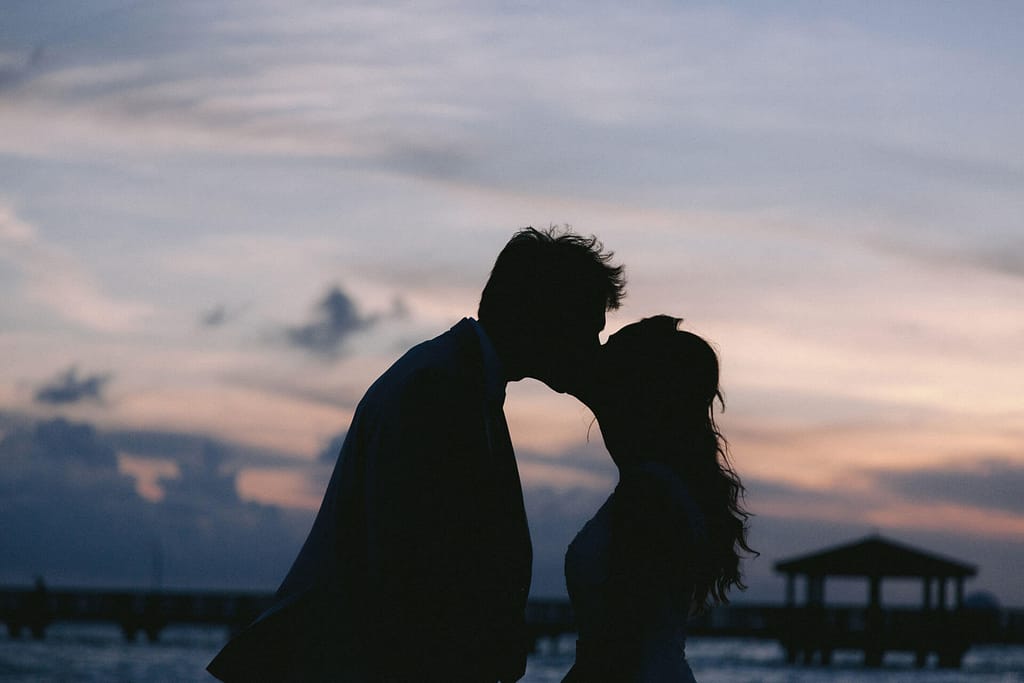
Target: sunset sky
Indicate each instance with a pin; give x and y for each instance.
(220, 221)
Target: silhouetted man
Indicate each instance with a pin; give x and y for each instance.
(418, 564)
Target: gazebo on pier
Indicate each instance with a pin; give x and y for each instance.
(937, 627)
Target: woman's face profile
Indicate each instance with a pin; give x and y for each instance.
(622, 399)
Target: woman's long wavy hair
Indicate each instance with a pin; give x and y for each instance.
(678, 373)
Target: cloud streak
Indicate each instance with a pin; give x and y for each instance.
(20, 69)
(988, 484)
(73, 516)
(55, 278)
(220, 315)
(330, 452)
(68, 388)
(214, 317)
(445, 99)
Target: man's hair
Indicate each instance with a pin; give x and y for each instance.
(542, 273)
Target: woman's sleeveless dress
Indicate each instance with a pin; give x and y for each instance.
(659, 649)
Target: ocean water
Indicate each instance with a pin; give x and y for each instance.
(98, 653)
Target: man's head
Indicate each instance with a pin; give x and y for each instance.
(545, 304)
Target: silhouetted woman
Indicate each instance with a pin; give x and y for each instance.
(666, 543)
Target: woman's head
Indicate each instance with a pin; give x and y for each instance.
(656, 386)
(655, 401)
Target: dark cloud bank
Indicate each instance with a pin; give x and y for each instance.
(69, 515)
(993, 485)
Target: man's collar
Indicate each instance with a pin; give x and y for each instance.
(494, 373)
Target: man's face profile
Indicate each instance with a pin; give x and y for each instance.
(568, 348)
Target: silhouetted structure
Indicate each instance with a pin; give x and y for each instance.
(936, 627)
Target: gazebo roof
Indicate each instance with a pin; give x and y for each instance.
(875, 556)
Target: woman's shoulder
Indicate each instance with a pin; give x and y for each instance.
(643, 492)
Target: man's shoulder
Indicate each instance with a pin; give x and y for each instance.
(443, 364)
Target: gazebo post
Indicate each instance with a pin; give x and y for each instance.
(815, 640)
(815, 590)
(942, 593)
(921, 653)
(792, 639)
(875, 597)
(873, 651)
(959, 593)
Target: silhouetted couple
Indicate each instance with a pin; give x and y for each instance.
(418, 565)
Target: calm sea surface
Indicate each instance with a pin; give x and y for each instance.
(98, 653)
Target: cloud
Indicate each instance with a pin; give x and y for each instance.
(14, 232)
(336, 320)
(1009, 260)
(72, 516)
(220, 315)
(149, 474)
(204, 479)
(57, 441)
(995, 248)
(69, 388)
(58, 279)
(20, 69)
(1004, 256)
(103, 530)
(988, 484)
(443, 93)
(214, 317)
(536, 113)
(188, 447)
